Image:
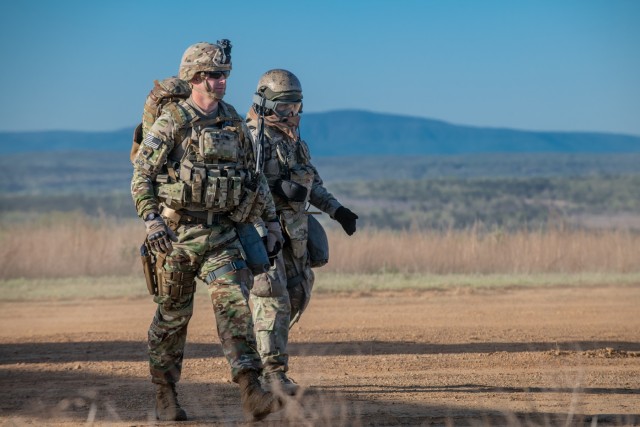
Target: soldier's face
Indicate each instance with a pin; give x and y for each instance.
(214, 83)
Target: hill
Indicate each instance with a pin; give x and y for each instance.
(361, 133)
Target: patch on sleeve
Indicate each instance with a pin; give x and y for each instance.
(152, 141)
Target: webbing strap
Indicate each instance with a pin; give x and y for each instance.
(176, 291)
(178, 283)
(218, 272)
(179, 276)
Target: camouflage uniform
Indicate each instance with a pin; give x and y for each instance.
(195, 180)
(280, 295)
(207, 241)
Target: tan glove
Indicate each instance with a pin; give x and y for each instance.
(158, 234)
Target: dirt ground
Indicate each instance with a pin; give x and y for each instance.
(536, 356)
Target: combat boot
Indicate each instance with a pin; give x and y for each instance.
(167, 406)
(256, 402)
(278, 382)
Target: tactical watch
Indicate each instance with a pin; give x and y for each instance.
(152, 215)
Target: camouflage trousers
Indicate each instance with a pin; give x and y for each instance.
(203, 249)
(276, 302)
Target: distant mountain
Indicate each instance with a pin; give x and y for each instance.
(351, 132)
(60, 140)
(341, 133)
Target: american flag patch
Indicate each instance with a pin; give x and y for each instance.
(152, 141)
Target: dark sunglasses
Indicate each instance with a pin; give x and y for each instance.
(216, 75)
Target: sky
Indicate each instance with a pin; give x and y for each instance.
(556, 65)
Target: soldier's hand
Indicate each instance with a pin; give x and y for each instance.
(347, 219)
(274, 239)
(159, 234)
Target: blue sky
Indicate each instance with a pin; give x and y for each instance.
(569, 65)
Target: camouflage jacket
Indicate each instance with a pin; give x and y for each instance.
(166, 148)
(288, 159)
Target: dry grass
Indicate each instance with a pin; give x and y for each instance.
(473, 252)
(80, 246)
(70, 247)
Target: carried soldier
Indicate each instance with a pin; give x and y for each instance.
(280, 295)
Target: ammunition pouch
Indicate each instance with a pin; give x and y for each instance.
(202, 186)
(290, 190)
(173, 195)
(252, 204)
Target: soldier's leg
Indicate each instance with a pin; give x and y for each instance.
(168, 331)
(167, 337)
(228, 280)
(271, 315)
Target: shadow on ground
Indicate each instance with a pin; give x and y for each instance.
(79, 397)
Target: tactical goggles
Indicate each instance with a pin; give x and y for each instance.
(280, 108)
(285, 109)
(217, 75)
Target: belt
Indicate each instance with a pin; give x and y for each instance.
(208, 218)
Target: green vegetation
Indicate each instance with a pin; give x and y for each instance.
(495, 191)
(504, 203)
(133, 287)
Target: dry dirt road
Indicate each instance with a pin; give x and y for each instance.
(536, 356)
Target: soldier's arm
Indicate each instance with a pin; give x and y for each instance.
(269, 212)
(320, 197)
(149, 161)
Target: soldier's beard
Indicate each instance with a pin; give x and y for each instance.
(216, 95)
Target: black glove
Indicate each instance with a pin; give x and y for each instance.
(347, 219)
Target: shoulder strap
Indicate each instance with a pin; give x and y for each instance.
(181, 112)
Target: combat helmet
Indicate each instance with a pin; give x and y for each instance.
(205, 57)
(279, 91)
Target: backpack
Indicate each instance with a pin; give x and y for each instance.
(171, 89)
